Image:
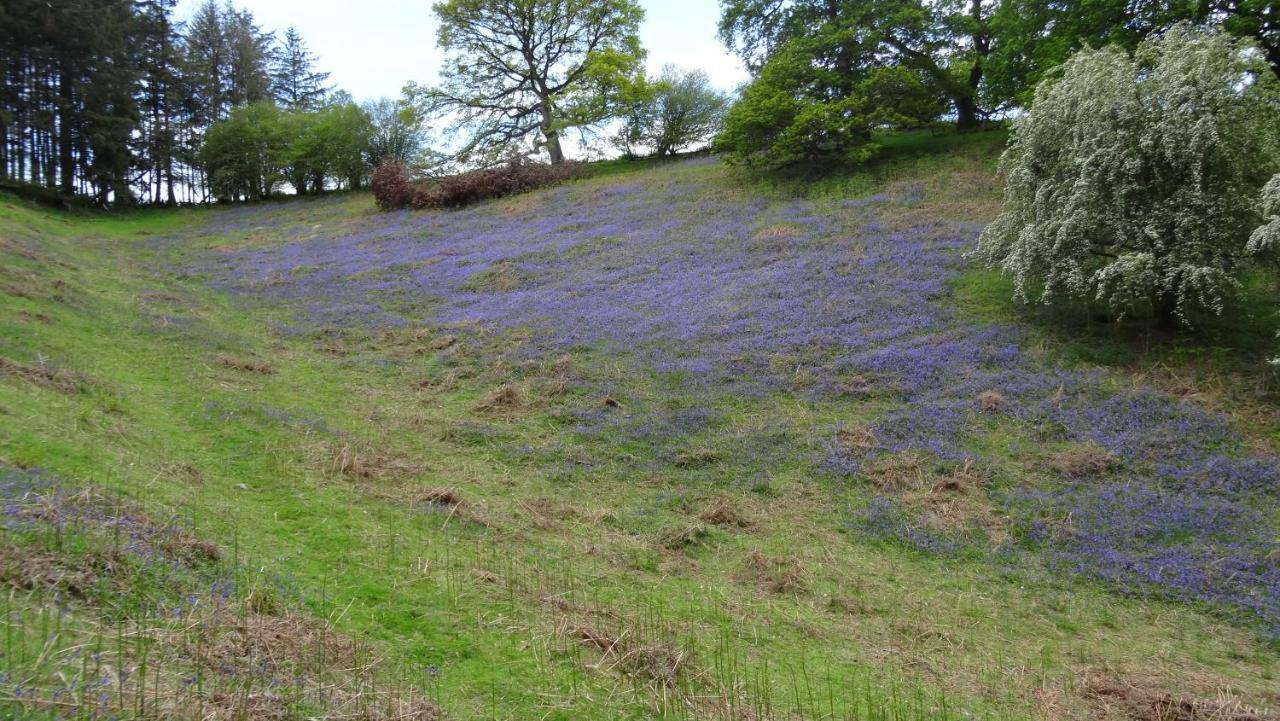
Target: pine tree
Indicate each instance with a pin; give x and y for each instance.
(295, 83)
(250, 54)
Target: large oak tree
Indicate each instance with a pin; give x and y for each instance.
(521, 69)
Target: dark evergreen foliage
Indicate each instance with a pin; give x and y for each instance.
(109, 100)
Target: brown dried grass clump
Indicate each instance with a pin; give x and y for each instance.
(1082, 460)
(1118, 698)
(277, 644)
(779, 230)
(659, 663)
(696, 458)
(544, 512)
(848, 605)
(855, 436)
(246, 365)
(506, 399)
(28, 316)
(777, 574)
(992, 402)
(443, 342)
(724, 513)
(897, 472)
(368, 464)
(681, 537)
(948, 500)
(446, 497)
(283, 659)
(55, 379)
(33, 569)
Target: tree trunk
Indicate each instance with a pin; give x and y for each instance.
(1164, 307)
(551, 134)
(66, 110)
(553, 147)
(967, 105)
(966, 114)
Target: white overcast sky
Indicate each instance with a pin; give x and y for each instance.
(371, 48)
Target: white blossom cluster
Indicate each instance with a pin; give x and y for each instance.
(1133, 180)
(1266, 238)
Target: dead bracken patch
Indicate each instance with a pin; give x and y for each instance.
(442, 342)
(55, 379)
(256, 642)
(1141, 703)
(441, 497)
(1082, 460)
(855, 436)
(505, 399)
(368, 464)
(947, 500)
(35, 569)
(246, 365)
(724, 513)
(777, 574)
(659, 663)
(992, 402)
(696, 458)
(682, 537)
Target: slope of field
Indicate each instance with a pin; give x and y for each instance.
(667, 443)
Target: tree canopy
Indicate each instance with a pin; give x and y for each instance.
(522, 70)
(1135, 179)
(295, 83)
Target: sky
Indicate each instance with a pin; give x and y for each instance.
(371, 48)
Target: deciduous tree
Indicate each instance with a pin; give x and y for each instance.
(531, 69)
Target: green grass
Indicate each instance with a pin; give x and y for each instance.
(312, 477)
(1220, 362)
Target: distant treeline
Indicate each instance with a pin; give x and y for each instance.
(113, 100)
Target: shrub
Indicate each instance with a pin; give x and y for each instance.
(1133, 180)
(390, 185)
(393, 189)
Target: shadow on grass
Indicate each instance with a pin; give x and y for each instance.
(1227, 352)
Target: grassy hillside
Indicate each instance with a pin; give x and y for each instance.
(671, 443)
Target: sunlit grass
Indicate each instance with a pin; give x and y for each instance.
(573, 574)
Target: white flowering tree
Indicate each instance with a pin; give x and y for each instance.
(1265, 240)
(1134, 180)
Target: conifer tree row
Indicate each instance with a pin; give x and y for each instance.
(110, 99)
